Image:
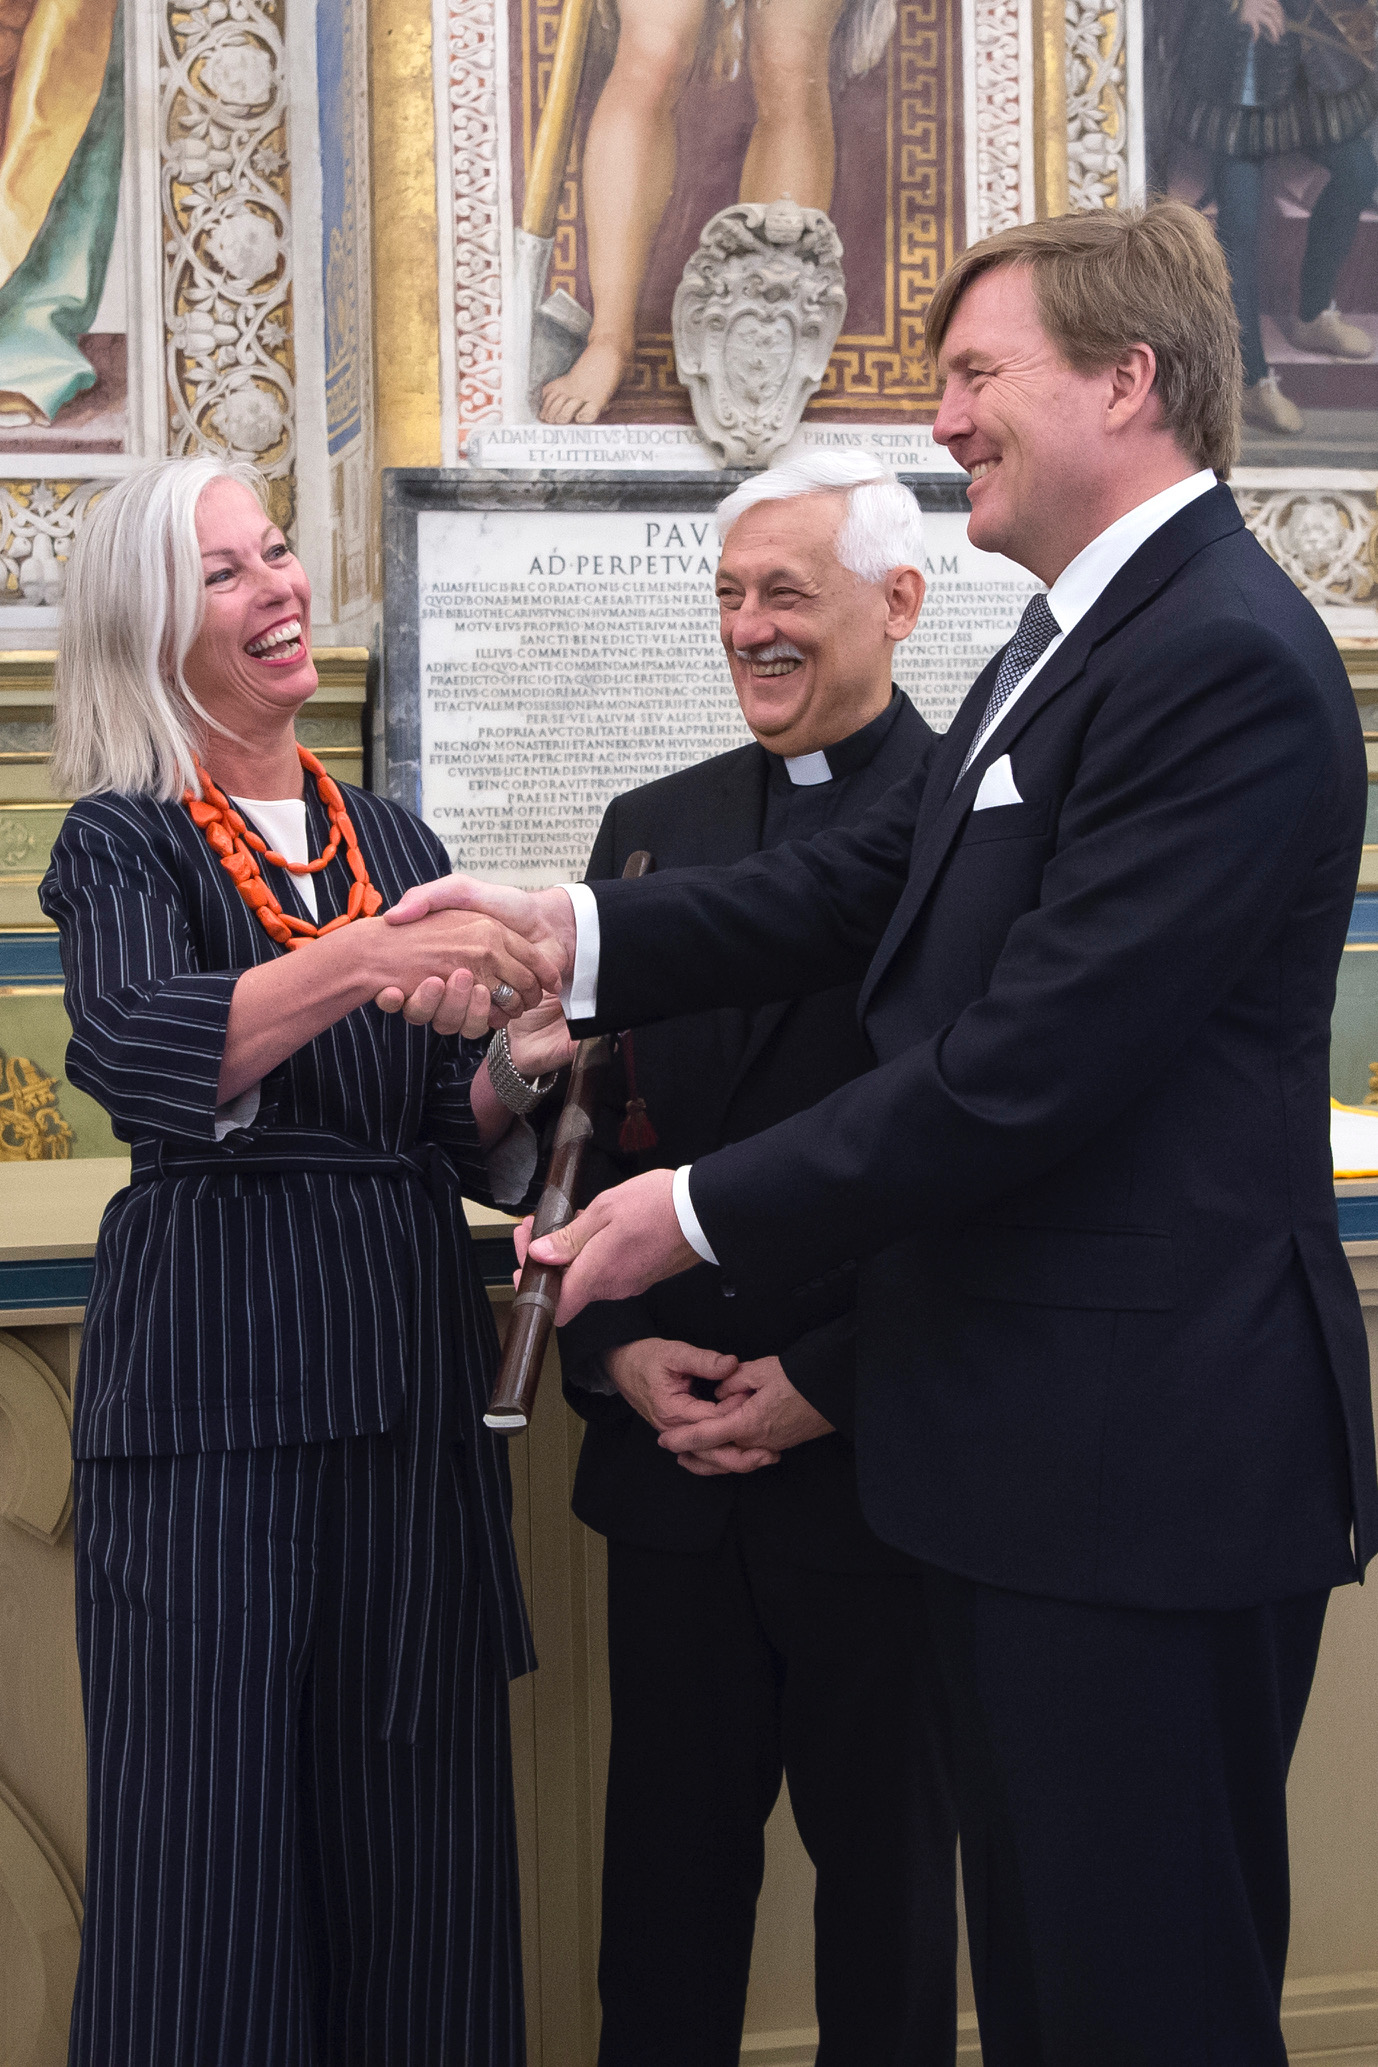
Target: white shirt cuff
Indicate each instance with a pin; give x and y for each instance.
(688, 1219)
(237, 1112)
(580, 994)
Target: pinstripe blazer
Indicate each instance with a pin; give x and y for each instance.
(310, 1276)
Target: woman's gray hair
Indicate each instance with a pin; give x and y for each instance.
(882, 526)
(124, 716)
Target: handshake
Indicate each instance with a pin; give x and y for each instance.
(463, 956)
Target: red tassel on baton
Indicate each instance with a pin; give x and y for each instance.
(636, 1134)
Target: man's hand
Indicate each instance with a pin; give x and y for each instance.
(456, 1005)
(759, 1415)
(543, 919)
(626, 1241)
(657, 1377)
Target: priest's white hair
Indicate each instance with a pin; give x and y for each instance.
(124, 716)
(882, 525)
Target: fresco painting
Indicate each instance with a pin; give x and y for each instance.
(687, 106)
(1263, 112)
(61, 151)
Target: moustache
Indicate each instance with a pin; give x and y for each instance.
(778, 649)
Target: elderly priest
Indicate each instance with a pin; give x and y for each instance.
(755, 1624)
(1112, 1381)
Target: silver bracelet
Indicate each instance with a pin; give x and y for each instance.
(518, 1093)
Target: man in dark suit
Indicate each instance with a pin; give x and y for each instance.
(755, 1624)
(1112, 1377)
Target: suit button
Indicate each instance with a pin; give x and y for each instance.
(728, 1291)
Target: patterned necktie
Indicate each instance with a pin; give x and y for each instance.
(1035, 632)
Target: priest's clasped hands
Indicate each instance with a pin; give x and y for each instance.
(755, 1413)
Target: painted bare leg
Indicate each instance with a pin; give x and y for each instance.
(629, 169)
(791, 149)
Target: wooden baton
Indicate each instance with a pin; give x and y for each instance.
(538, 1288)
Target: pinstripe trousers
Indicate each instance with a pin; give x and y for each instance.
(269, 1883)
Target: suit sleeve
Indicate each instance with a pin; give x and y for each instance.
(148, 1025)
(1207, 781)
(507, 1176)
(799, 919)
(822, 1366)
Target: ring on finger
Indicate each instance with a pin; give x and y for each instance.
(502, 995)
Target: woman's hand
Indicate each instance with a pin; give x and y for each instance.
(1264, 16)
(539, 1041)
(455, 1004)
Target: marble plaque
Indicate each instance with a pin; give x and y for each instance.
(681, 448)
(565, 654)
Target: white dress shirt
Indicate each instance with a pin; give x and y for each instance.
(1079, 585)
(1084, 580)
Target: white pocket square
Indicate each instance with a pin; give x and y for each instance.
(997, 786)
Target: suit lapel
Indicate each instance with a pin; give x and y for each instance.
(1210, 517)
(955, 745)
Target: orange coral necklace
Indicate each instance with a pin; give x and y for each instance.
(239, 846)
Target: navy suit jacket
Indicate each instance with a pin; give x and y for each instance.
(310, 1276)
(708, 1078)
(1109, 1346)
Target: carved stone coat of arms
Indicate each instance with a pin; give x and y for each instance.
(756, 316)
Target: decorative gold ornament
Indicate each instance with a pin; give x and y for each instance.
(32, 1130)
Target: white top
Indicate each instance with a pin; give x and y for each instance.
(1079, 585)
(282, 823)
(1085, 579)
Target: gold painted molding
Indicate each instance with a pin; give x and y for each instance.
(406, 233)
(342, 672)
(35, 1409)
(27, 678)
(1051, 185)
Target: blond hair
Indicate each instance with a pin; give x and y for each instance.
(124, 716)
(1111, 278)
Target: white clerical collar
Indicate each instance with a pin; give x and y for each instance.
(1086, 578)
(806, 770)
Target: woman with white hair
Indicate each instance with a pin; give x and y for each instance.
(297, 1599)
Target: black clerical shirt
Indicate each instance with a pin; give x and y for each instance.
(796, 809)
